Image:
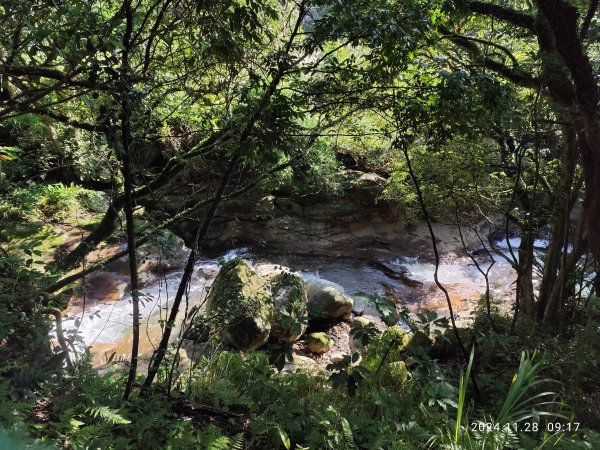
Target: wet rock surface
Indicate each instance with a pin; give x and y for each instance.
(326, 300)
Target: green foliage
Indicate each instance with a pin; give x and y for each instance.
(385, 307)
(20, 203)
(462, 391)
(24, 328)
(521, 403)
(315, 173)
(213, 439)
(517, 423)
(455, 173)
(51, 202)
(58, 200)
(107, 414)
(208, 81)
(347, 374)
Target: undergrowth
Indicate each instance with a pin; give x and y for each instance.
(230, 400)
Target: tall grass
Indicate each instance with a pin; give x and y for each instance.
(524, 403)
(462, 392)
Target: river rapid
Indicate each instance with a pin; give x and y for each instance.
(100, 320)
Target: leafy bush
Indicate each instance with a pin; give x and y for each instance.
(58, 201)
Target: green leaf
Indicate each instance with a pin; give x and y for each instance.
(110, 415)
(284, 438)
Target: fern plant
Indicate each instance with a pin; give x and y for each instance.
(110, 415)
(213, 439)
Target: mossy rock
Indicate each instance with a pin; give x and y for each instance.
(318, 342)
(303, 364)
(326, 300)
(396, 371)
(239, 304)
(396, 337)
(289, 307)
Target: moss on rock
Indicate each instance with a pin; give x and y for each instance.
(396, 337)
(289, 307)
(326, 300)
(239, 304)
(318, 342)
(396, 371)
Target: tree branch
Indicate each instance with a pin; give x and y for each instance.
(514, 74)
(504, 14)
(585, 26)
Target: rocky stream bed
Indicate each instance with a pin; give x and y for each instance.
(99, 321)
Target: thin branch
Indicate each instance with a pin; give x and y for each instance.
(585, 26)
(437, 264)
(486, 42)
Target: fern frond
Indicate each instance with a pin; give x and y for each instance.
(226, 443)
(348, 435)
(109, 415)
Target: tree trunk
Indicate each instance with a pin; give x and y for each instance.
(160, 352)
(562, 19)
(525, 273)
(126, 169)
(548, 301)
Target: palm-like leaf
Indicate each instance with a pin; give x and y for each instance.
(521, 403)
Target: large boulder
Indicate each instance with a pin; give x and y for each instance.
(290, 312)
(326, 300)
(239, 303)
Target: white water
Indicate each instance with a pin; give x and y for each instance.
(106, 324)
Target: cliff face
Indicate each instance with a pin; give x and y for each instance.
(355, 222)
(353, 218)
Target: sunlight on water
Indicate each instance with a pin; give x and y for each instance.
(108, 323)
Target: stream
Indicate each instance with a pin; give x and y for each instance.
(101, 320)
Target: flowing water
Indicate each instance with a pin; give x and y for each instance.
(101, 321)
